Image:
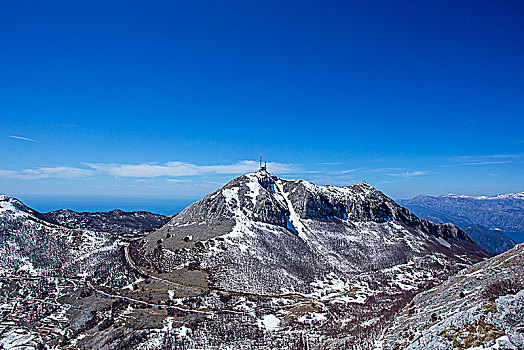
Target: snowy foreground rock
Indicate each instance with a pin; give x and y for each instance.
(481, 307)
(262, 263)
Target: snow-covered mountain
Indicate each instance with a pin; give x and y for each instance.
(263, 234)
(517, 195)
(28, 242)
(12, 207)
(351, 253)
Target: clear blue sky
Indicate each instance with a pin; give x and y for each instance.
(173, 98)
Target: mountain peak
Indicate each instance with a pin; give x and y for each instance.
(261, 220)
(13, 206)
(365, 184)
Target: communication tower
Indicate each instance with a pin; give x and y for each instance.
(262, 167)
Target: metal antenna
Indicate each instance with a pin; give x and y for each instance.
(265, 163)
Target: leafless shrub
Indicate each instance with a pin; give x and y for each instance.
(502, 287)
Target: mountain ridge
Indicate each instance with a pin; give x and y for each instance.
(514, 195)
(503, 213)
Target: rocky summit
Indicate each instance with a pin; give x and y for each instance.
(262, 263)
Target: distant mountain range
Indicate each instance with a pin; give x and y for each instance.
(114, 221)
(495, 223)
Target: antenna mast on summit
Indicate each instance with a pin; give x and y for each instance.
(265, 163)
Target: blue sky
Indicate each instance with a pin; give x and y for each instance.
(172, 98)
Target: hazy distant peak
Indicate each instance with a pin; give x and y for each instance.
(517, 195)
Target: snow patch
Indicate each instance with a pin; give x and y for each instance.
(293, 219)
(183, 331)
(254, 188)
(18, 339)
(28, 267)
(269, 322)
(443, 242)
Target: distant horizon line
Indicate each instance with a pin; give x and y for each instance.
(183, 197)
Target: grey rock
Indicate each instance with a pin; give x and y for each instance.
(511, 311)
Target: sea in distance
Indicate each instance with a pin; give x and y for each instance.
(158, 205)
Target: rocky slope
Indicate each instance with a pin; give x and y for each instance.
(114, 221)
(65, 242)
(29, 243)
(46, 276)
(494, 241)
(481, 307)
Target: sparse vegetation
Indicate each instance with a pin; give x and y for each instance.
(471, 335)
(502, 287)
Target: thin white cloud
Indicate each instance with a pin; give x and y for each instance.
(178, 169)
(487, 162)
(46, 173)
(489, 159)
(22, 138)
(333, 180)
(348, 171)
(334, 172)
(409, 174)
(382, 170)
(490, 156)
